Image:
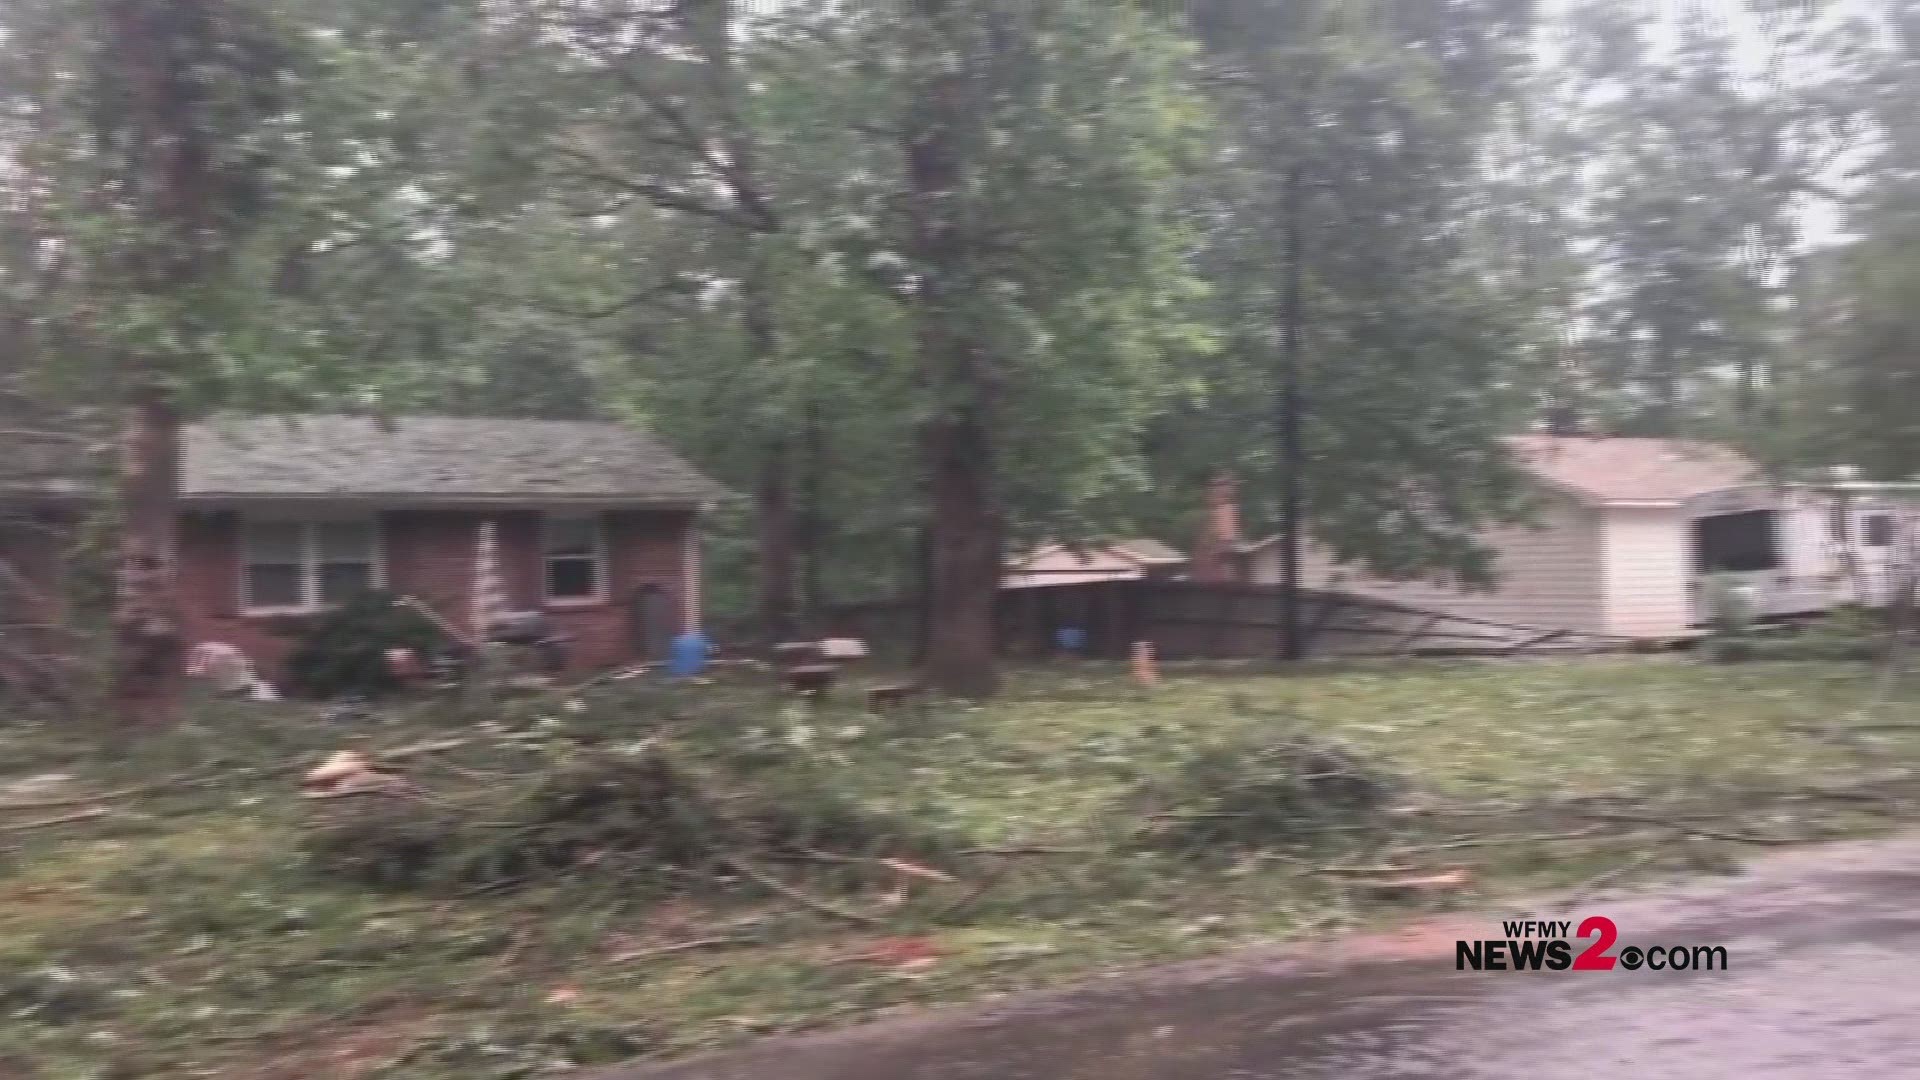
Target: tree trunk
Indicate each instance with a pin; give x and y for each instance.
(965, 577)
(812, 518)
(773, 494)
(955, 370)
(773, 500)
(148, 641)
(1292, 647)
(923, 588)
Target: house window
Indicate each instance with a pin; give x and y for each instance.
(1879, 530)
(576, 560)
(1735, 543)
(344, 559)
(304, 565)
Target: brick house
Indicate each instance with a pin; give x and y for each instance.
(594, 525)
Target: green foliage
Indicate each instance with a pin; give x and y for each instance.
(1413, 365)
(268, 963)
(651, 812)
(343, 651)
(1266, 786)
(530, 1044)
(1846, 635)
(382, 843)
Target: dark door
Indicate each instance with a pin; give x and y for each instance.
(653, 622)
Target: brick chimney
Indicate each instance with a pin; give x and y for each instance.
(1215, 554)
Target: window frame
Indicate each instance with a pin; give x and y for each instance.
(310, 560)
(601, 564)
(1723, 526)
(1881, 522)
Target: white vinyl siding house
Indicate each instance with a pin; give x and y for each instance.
(1549, 575)
(1612, 552)
(1633, 530)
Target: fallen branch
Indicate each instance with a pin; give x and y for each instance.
(1587, 888)
(188, 781)
(1027, 849)
(64, 819)
(1377, 870)
(674, 949)
(775, 885)
(1525, 838)
(1691, 830)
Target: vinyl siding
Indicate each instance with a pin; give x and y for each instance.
(1646, 572)
(1549, 575)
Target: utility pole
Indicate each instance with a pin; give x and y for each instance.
(1288, 409)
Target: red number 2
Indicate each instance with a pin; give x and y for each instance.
(1594, 957)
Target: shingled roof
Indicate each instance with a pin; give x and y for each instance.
(433, 459)
(46, 458)
(1615, 471)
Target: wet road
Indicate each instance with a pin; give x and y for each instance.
(1823, 980)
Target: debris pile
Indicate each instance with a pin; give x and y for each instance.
(1272, 788)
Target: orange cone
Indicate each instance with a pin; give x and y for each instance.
(1145, 671)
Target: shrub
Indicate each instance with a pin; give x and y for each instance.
(344, 651)
(1847, 634)
(1728, 649)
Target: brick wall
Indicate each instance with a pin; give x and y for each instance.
(429, 554)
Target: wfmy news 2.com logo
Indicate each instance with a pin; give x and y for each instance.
(1548, 945)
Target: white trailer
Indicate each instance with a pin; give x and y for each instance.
(1803, 549)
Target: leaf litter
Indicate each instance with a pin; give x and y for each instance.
(653, 871)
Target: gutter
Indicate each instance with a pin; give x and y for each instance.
(394, 500)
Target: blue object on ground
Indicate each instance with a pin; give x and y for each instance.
(1071, 639)
(688, 655)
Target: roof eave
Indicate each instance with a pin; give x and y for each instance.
(461, 500)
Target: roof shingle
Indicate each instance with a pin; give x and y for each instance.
(1611, 470)
(433, 458)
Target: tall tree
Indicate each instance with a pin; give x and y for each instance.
(207, 183)
(1359, 129)
(1043, 263)
(147, 141)
(624, 111)
(1857, 327)
(1703, 155)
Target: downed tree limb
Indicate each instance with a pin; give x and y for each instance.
(1594, 832)
(1027, 849)
(1580, 893)
(780, 888)
(658, 951)
(64, 819)
(1692, 830)
(189, 781)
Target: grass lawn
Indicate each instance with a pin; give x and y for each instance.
(189, 931)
